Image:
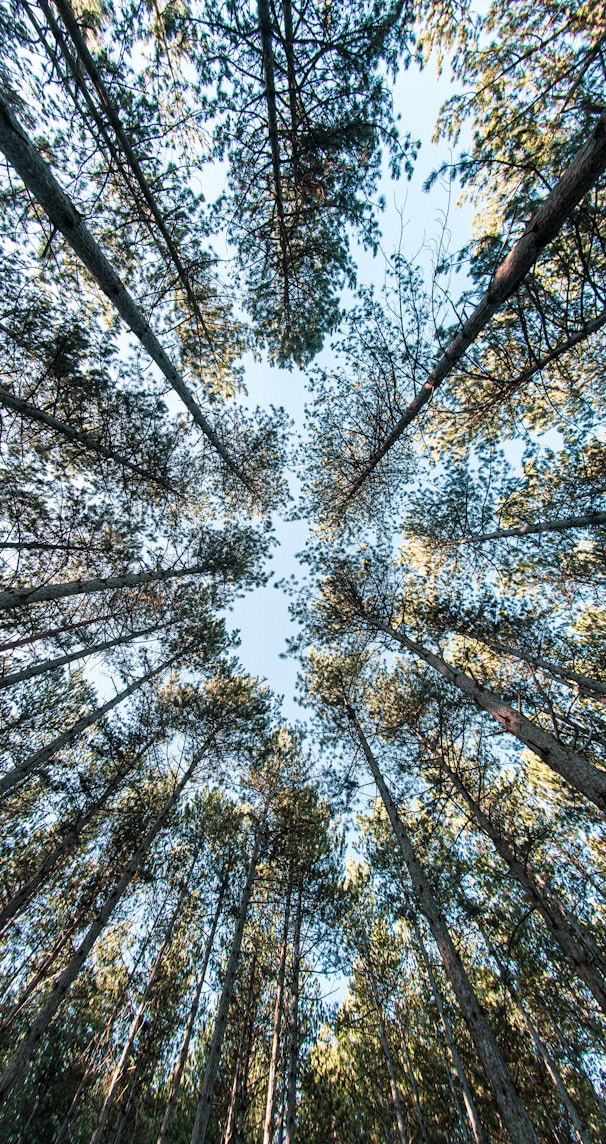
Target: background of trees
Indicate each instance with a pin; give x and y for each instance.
(184, 874)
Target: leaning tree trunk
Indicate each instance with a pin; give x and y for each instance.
(137, 1020)
(175, 1083)
(412, 1078)
(40, 181)
(572, 767)
(472, 1113)
(23, 596)
(586, 167)
(577, 947)
(384, 1041)
(35, 669)
(69, 835)
(268, 1128)
(513, 1114)
(293, 1047)
(38, 1027)
(584, 520)
(63, 429)
(538, 1044)
(52, 633)
(237, 1104)
(586, 684)
(34, 762)
(216, 1045)
(267, 53)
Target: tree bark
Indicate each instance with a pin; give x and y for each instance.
(268, 1127)
(214, 1054)
(23, 596)
(267, 51)
(71, 657)
(587, 165)
(68, 839)
(293, 1047)
(59, 990)
(470, 1108)
(40, 181)
(513, 1114)
(393, 1084)
(582, 953)
(51, 633)
(586, 684)
(137, 1020)
(239, 1090)
(175, 1083)
(35, 761)
(584, 520)
(32, 413)
(539, 1045)
(572, 767)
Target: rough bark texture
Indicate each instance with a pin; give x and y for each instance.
(513, 1114)
(585, 169)
(40, 181)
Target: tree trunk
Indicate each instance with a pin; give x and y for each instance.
(85, 59)
(23, 596)
(268, 1128)
(472, 1114)
(40, 181)
(267, 51)
(539, 1045)
(513, 1114)
(585, 520)
(293, 1047)
(32, 413)
(191, 1020)
(572, 767)
(412, 1080)
(62, 660)
(586, 684)
(40, 1024)
(393, 1084)
(214, 1054)
(557, 918)
(587, 165)
(51, 633)
(239, 1091)
(35, 761)
(137, 1020)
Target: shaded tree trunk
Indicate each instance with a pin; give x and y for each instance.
(513, 1114)
(584, 520)
(268, 1127)
(293, 1047)
(22, 596)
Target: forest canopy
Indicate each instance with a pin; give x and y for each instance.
(381, 920)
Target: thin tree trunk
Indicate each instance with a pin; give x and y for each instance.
(586, 683)
(137, 1020)
(539, 1045)
(293, 1048)
(63, 429)
(175, 1083)
(586, 167)
(268, 1127)
(472, 1113)
(237, 1104)
(513, 1114)
(584, 520)
(413, 1081)
(393, 1084)
(22, 596)
(69, 836)
(557, 918)
(292, 88)
(51, 633)
(40, 181)
(214, 1055)
(29, 1042)
(265, 28)
(572, 767)
(35, 669)
(35, 761)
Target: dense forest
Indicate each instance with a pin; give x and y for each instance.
(382, 922)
